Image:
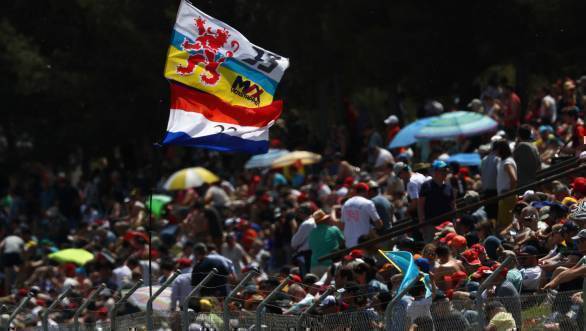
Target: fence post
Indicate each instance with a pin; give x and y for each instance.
(488, 281)
(389, 309)
(232, 293)
(329, 291)
(584, 304)
(20, 306)
(85, 304)
(149, 307)
(185, 303)
(45, 317)
(113, 312)
(262, 304)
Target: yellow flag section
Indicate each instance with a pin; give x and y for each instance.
(211, 56)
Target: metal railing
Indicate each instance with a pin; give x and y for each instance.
(534, 311)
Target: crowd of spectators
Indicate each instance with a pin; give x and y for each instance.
(277, 223)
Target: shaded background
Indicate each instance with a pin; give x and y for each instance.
(88, 74)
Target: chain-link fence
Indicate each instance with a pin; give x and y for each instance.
(538, 311)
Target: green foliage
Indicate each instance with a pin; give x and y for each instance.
(90, 71)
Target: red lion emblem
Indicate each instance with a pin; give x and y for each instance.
(206, 48)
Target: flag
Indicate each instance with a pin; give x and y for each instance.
(199, 119)
(405, 263)
(211, 56)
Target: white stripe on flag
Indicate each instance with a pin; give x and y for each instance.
(196, 125)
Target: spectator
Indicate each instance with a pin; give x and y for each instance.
(323, 240)
(359, 216)
(436, 198)
(526, 156)
(506, 180)
(413, 182)
(383, 206)
(205, 262)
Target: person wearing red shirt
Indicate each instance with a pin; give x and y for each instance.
(392, 123)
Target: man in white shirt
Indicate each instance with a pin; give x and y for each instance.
(413, 180)
(381, 157)
(359, 216)
(300, 240)
(123, 274)
(530, 270)
(180, 288)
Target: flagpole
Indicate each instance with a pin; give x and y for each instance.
(153, 186)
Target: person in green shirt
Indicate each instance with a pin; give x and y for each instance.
(324, 239)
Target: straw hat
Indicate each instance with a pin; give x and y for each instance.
(320, 216)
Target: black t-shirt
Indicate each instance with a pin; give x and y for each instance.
(217, 285)
(439, 199)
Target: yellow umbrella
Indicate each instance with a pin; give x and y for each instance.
(190, 177)
(297, 156)
(74, 255)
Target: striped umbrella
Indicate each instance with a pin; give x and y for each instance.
(457, 124)
(190, 177)
(161, 304)
(291, 158)
(406, 136)
(265, 160)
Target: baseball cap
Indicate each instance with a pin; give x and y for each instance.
(439, 164)
(481, 272)
(579, 185)
(443, 225)
(569, 226)
(392, 120)
(457, 242)
(399, 167)
(470, 256)
(569, 201)
(529, 250)
(448, 237)
(580, 235)
(361, 187)
(479, 249)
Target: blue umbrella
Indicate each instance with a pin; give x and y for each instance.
(465, 159)
(457, 124)
(265, 160)
(406, 136)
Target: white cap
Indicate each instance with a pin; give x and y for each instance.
(392, 120)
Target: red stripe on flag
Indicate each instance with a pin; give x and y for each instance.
(214, 109)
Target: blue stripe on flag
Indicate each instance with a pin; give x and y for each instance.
(268, 84)
(219, 142)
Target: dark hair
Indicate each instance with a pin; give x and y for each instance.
(200, 249)
(524, 132)
(484, 226)
(442, 250)
(502, 148)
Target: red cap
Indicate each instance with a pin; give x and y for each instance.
(443, 225)
(349, 181)
(184, 262)
(361, 187)
(296, 279)
(479, 249)
(457, 242)
(448, 237)
(471, 257)
(579, 185)
(482, 272)
(357, 253)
